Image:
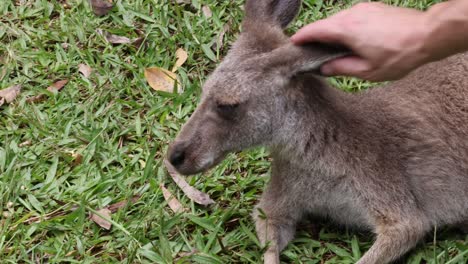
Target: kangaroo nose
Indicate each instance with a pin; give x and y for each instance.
(177, 157)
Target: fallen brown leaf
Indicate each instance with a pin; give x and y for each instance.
(187, 254)
(77, 159)
(113, 39)
(36, 99)
(101, 7)
(9, 94)
(109, 210)
(85, 70)
(25, 144)
(207, 11)
(218, 45)
(57, 86)
(162, 80)
(182, 57)
(115, 207)
(173, 203)
(101, 221)
(137, 42)
(192, 193)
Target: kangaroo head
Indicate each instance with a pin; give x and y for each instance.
(241, 100)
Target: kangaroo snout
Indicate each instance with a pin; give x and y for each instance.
(176, 154)
(190, 157)
(182, 157)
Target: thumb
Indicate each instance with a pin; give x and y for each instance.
(319, 31)
(347, 66)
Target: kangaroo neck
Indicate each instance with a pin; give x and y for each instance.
(315, 121)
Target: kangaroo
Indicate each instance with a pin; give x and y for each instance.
(392, 159)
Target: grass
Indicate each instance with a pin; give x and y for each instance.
(101, 140)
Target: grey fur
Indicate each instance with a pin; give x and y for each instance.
(393, 159)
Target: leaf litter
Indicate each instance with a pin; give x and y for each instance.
(116, 39)
(108, 211)
(182, 57)
(207, 11)
(55, 87)
(9, 94)
(66, 209)
(161, 80)
(192, 193)
(98, 218)
(85, 70)
(101, 7)
(219, 43)
(164, 80)
(173, 203)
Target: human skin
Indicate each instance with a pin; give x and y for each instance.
(389, 42)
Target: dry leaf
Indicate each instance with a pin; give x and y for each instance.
(101, 221)
(85, 70)
(57, 86)
(101, 7)
(107, 212)
(115, 207)
(113, 39)
(162, 80)
(218, 45)
(77, 159)
(9, 94)
(192, 193)
(25, 144)
(173, 203)
(182, 57)
(207, 11)
(36, 98)
(137, 42)
(187, 254)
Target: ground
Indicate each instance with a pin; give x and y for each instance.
(101, 140)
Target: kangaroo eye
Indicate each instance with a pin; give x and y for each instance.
(227, 110)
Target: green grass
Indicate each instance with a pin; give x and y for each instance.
(121, 128)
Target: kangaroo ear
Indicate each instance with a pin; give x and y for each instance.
(292, 60)
(275, 12)
(315, 55)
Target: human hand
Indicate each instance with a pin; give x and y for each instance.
(388, 42)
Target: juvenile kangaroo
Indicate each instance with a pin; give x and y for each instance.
(393, 160)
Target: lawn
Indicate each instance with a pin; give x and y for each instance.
(100, 140)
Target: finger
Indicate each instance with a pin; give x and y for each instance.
(348, 66)
(320, 31)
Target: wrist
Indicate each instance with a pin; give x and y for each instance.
(416, 51)
(446, 30)
(425, 32)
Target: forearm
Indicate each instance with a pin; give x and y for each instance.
(447, 25)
